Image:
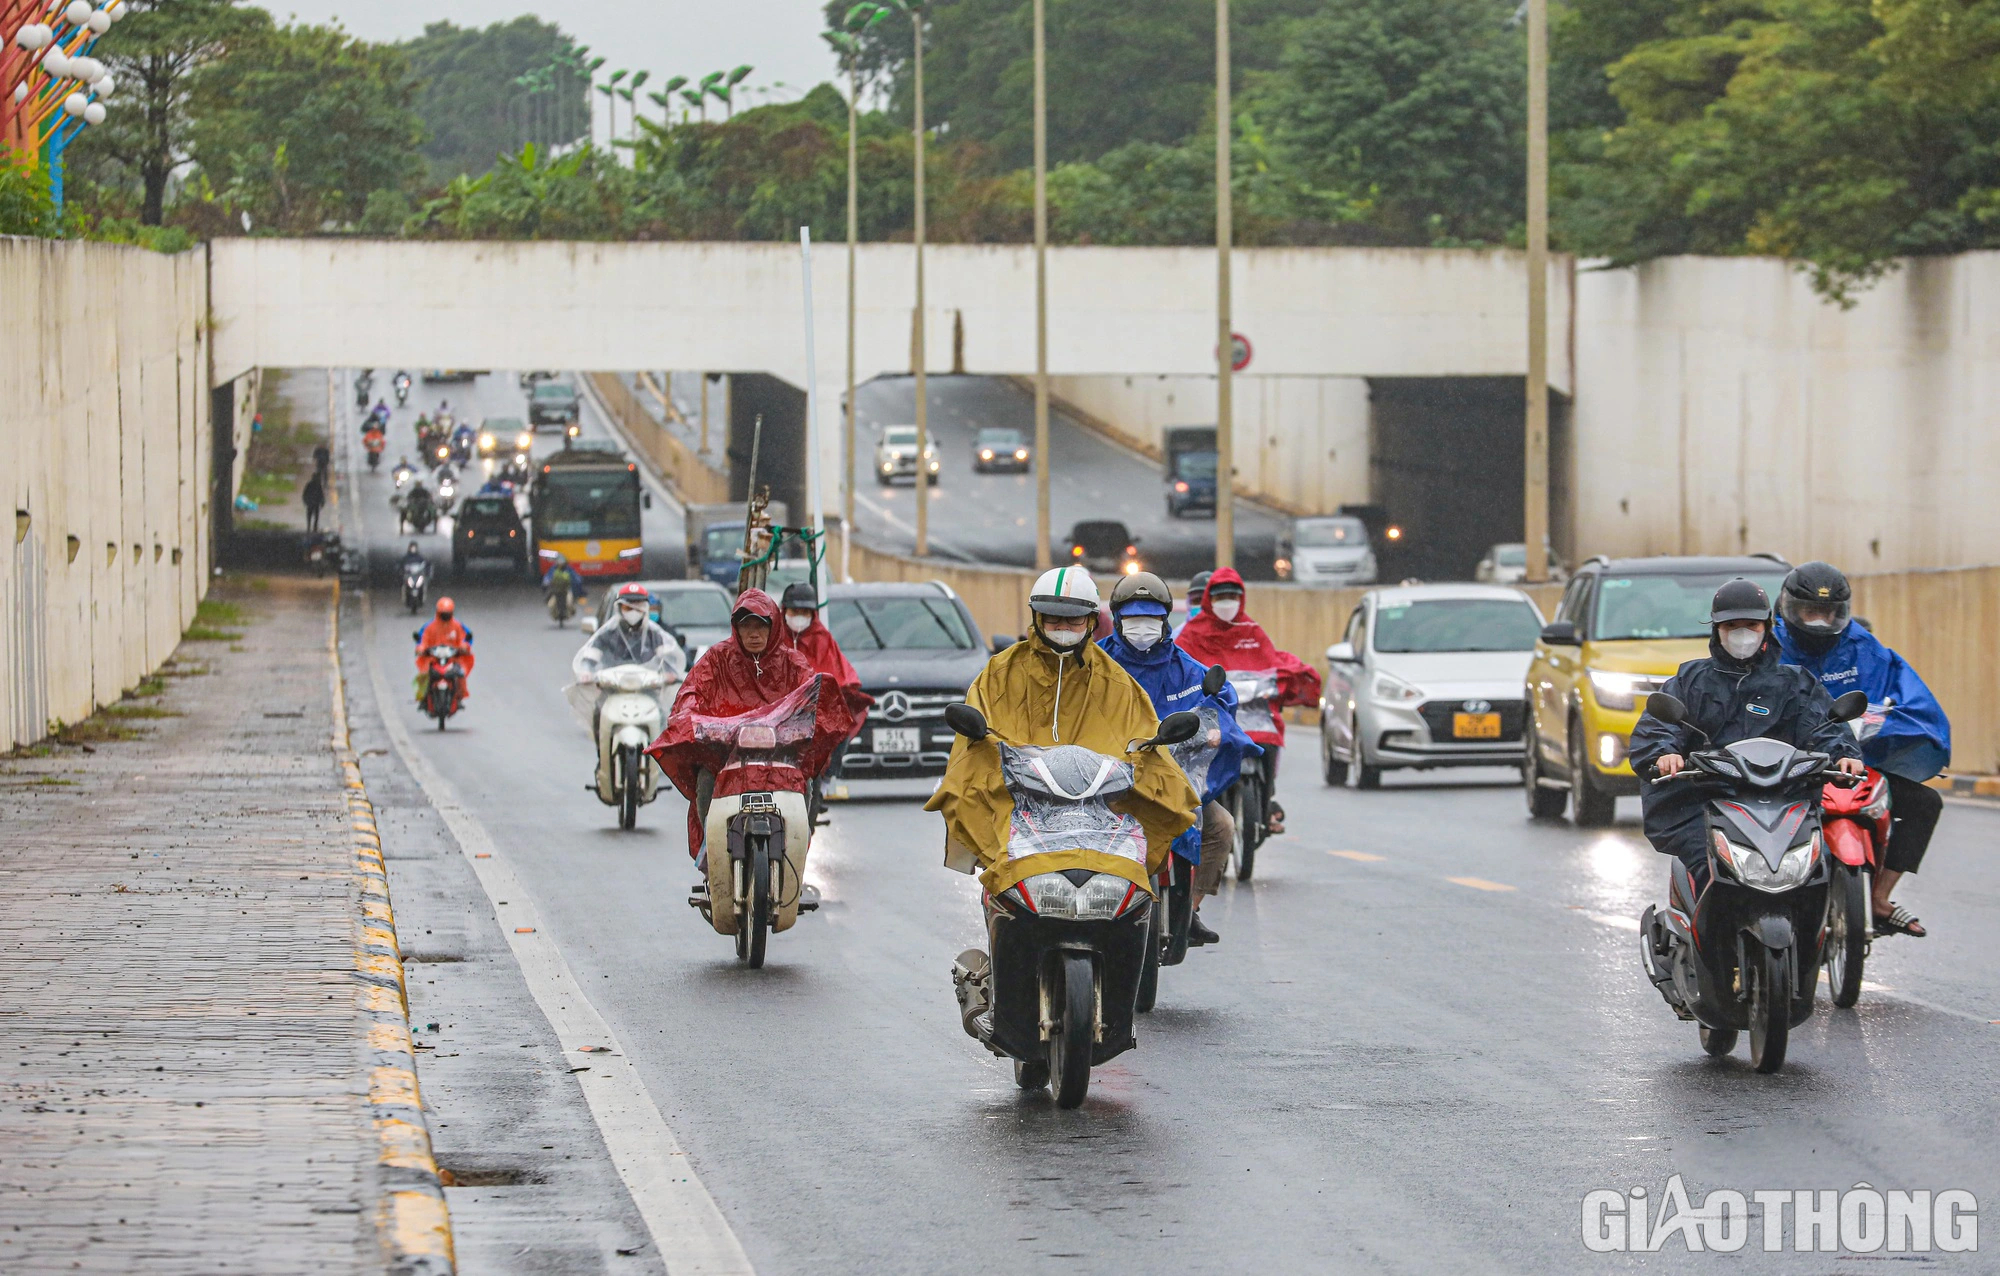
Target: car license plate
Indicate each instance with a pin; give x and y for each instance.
(1475, 726)
(906, 739)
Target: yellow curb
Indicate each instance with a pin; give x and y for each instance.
(374, 999)
(395, 1086)
(419, 1227)
(394, 1037)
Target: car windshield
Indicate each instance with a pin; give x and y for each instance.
(693, 608)
(1457, 624)
(890, 624)
(1000, 438)
(902, 436)
(553, 390)
(1641, 607)
(485, 507)
(1195, 465)
(1100, 538)
(1510, 555)
(1327, 533)
(505, 425)
(722, 542)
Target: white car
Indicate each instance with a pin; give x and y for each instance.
(896, 455)
(1427, 676)
(1507, 564)
(1332, 551)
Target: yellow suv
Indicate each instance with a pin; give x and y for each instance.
(1623, 627)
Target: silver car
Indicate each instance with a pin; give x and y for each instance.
(1427, 676)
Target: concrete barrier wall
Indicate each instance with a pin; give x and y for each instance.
(105, 454)
(693, 480)
(1944, 623)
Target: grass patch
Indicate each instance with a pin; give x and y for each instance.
(214, 611)
(96, 729)
(54, 782)
(130, 711)
(153, 686)
(208, 633)
(280, 454)
(186, 671)
(262, 524)
(25, 751)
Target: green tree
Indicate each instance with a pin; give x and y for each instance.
(298, 126)
(25, 205)
(471, 99)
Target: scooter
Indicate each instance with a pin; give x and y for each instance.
(447, 684)
(628, 718)
(1059, 992)
(416, 584)
(1250, 797)
(418, 513)
(402, 388)
(374, 441)
(1856, 823)
(561, 602)
(1746, 954)
(447, 490)
(403, 473)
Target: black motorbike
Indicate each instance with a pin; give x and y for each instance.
(1249, 799)
(1745, 955)
(416, 584)
(1069, 946)
(402, 388)
(1173, 886)
(419, 513)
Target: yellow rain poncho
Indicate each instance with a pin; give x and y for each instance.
(1096, 705)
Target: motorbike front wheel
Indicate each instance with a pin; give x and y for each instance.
(1075, 997)
(1249, 814)
(753, 921)
(1847, 935)
(628, 787)
(440, 704)
(1770, 1007)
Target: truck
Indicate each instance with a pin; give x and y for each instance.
(715, 540)
(1190, 454)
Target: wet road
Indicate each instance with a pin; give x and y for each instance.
(1424, 1037)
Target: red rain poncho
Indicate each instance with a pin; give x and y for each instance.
(1242, 645)
(729, 682)
(818, 646)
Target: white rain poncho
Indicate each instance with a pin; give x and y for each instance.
(613, 649)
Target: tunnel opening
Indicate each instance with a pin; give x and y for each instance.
(781, 455)
(1446, 457)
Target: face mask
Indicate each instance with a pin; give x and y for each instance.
(796, 623)
(1226, 609)
(632, 616)
(1742, 643)
(1143, 632)
(1062, 641)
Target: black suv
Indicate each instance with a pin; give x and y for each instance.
(917, 649)
(488, 527)
(552, 403)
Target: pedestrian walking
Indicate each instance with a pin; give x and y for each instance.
(315, 498)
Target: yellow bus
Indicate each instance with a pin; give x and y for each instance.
(586, 502)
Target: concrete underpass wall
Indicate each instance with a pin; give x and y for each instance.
(105, 454)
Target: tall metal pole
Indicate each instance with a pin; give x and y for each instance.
(820, 581)
(1535, 490)
(1225, 346)
(853, 233)
(923, 545)
(1042, 561)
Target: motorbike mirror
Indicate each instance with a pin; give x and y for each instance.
(1178, 727)
(1213, 681)
(966, 721)
(1000, 642)
(1850, 706)
(587, 623)
(1666, 708)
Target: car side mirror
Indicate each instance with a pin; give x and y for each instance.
(1000, 642)
(1671, 711)
(1177, 727)
(966, 721)
(1562, 633)
(1340, 653)
(587, 623)
(646, 499)
(1214, 680)
(1848, 707)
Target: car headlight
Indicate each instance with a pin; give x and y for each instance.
(486, 441)
(1021, 454)
(986, 454)
(1393, 690)
(1099, 899)
(524, 440)
(888, 467)
(1749, 867)
(1620, 690)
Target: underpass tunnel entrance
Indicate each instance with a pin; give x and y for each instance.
(1446, 458)
(781, 455)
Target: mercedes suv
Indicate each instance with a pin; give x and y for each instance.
(917, 649)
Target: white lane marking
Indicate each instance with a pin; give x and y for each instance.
(894, 520)
(1613, 919)
(688, 1228)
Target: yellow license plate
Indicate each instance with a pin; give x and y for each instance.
(1475, 726)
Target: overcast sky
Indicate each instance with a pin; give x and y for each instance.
(667, 37)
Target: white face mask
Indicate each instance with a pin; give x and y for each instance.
(1143, 632)
(1226, 609)
(1742, 643)
(798, 622)
(1062, 640)
(633, 617)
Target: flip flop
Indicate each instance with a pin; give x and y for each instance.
(1897, 921)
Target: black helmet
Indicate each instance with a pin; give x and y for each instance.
(1198, 588)
(1740, 599)
(1141, 587)
(800, 596)
(1818, 590)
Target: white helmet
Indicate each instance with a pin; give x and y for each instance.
(1064, 591)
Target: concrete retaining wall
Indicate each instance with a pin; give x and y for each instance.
(105, 455)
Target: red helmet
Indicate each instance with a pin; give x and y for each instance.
(636, 592)
(444, 609)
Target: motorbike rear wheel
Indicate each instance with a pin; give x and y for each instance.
(628, 787)
(1770, 1007)
(1075, 997)
(1847, 935)
(1718, 1041)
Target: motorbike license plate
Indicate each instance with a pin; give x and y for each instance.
(1475, 726)
(898, 739)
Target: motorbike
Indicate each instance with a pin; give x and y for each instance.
(1249, 798)
(362, 384)
(447, 683)
(757, 830)
(374, 441)
(402, 388)
(1068, 948)
(416, 584)
(447, 490)
(418, 513)
(1856, 826)
(519, 470)
(462, 444)
(624, 709)
(322, 552)
(403, 473)
(1746, 954)
(561, 602)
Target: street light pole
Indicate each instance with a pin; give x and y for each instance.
(923, 542)
(1535, 490)
(853, 236)
(1225, 346)
(1042, 561)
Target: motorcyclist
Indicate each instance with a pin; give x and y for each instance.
(444, 631)
(417, 503)
(1816, 632)
(1197, 591)
(631, 639)
(1053, 687)
(746, 671)
(561, 575)
(413, 557)
(1142, 644)
(1222, 633)
(816, 642)
(1739, 691)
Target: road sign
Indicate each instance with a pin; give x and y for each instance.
(1240, 352)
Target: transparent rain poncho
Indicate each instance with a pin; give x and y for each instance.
(1062, 795)
(642, 661)
(1197, 756)
(1255, 689)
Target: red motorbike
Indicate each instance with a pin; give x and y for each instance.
(445, 690)
(374, 441)
(1855, 823)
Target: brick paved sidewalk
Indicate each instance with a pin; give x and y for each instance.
(184, 1079)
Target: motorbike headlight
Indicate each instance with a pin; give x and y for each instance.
(1050, 895)
(1393, 690)
(1748, 866)
(1104, 897)
(1619, 690)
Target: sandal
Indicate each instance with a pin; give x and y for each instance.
(1274, 821)
(1897, 921)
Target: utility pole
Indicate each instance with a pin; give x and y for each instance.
(1225, 345)
(1042, 562)
(853, 233)
(1535, 490)
(923, 492)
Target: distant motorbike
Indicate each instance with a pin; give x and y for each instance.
(403, 473)
(1068, 947)
(1856, 825)
(322, 552)
(374, 441)
(519, 470)
(1250, 798)
(416, 584)
(447, 490)
(1746, 954)
(418, 513)
(447, 684)
(561, 602)
(402, 388)
(362, 384)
